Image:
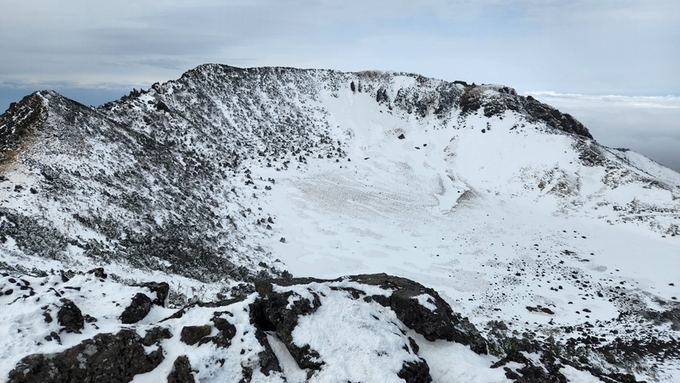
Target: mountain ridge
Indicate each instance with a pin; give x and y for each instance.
(140, 130)
(228, 176)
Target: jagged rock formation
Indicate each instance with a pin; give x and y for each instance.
(290, 328)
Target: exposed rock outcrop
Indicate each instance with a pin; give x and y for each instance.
(328, 327)
(496, 100)
(106, 358)
(436, 322)
(284, 302)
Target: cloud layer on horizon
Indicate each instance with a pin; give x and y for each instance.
(608, 46)
(97, 51)
(647, 125)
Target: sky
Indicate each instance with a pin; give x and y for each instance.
(598, 59)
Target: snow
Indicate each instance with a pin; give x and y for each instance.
(451, 362)
(466, 214)
(373, 347)
(579, 376)
(426, 301)
(498, 215)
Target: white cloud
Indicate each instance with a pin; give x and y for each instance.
(580, 46)
(623, 46)
(647, 125)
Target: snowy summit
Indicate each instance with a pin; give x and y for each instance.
(290, 225)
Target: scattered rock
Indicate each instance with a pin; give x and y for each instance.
(53, 336)
(181, 371)
(70, 317)
(98, 272)
(192, 334)
(140, 306)
(160, 288)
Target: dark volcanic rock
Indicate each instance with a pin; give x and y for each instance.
(181, 371)
(495, 101)
(442, 323)
(280, 309)
(268, 361)
(160, 288)
(20, 120)
(527, 360)
(155, 335)
(70, 317)
(140, 306)
(529, 372)
(554, 118)
(418, 372)
(226, 333)
(192, 334)
(272, 312)
(98, 272)
(106, 358)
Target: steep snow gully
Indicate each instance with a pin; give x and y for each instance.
(289, 225)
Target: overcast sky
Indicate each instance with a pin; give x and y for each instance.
(97, 51)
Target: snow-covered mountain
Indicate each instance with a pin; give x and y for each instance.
(563, 255)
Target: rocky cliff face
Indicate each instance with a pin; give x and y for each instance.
(215, 183)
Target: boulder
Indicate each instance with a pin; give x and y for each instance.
(70, 317)
(226, 332)
(98, 272)
(106, 358)
(140, 306)
(272, 312)
(415, 372)
(156, 335)
(282, 302)
(192, 334)
(181, 371)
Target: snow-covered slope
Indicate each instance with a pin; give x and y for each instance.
(506, 207)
